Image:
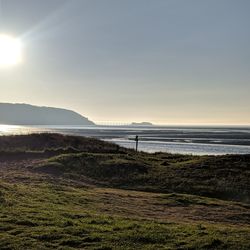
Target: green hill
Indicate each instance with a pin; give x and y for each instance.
(26, 114)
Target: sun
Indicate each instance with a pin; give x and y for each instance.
(10, 50)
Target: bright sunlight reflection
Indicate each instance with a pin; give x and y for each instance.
(10, 50)
(4, 129)
(9, 129)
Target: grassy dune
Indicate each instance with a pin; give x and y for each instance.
(85, 194)
(225, 177)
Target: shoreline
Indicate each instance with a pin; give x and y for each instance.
(176, 140)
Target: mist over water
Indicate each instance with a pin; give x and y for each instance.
(184, 140)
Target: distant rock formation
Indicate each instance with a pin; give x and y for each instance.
(142, 124)
(25, 114)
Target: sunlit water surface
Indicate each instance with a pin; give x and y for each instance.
(184, 140)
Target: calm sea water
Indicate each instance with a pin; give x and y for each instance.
(187, 140)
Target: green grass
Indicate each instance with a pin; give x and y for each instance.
(225, 177)
(45, 216)
(59, 192)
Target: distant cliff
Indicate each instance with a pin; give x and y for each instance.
(25, 114)
(141, 124)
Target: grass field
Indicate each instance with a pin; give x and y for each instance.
(86, 194)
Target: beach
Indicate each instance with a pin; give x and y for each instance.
(183, 140)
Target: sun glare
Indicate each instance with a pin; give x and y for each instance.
(10, 50)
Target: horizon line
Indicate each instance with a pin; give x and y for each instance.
(119, 123)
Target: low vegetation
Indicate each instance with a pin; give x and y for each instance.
(225, 177)
(66, 192)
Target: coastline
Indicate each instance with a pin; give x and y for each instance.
(184, 140)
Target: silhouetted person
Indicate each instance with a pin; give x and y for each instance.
(136, 143)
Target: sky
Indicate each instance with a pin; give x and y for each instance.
(161, 61)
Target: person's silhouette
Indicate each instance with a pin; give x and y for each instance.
(136, 142)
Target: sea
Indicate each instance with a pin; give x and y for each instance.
(195, 140)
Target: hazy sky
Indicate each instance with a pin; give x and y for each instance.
(164, 61)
